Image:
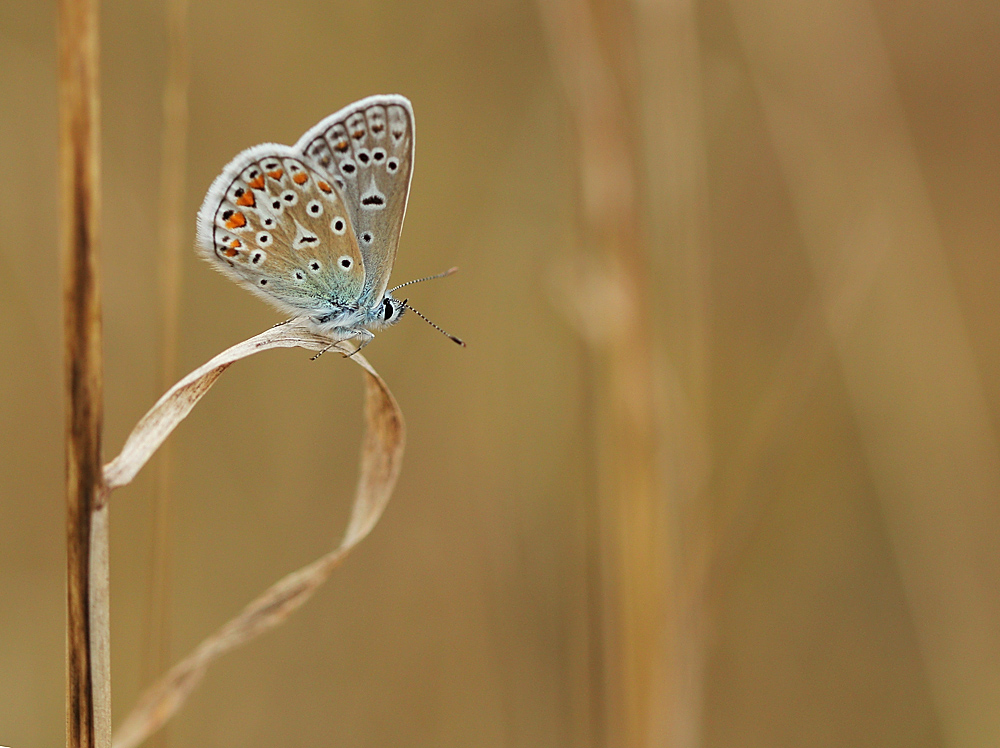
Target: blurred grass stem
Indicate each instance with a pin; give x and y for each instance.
(590, 49)
(173, 172)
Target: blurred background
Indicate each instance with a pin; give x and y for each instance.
(719, 466)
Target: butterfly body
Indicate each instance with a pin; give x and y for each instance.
(313, 228)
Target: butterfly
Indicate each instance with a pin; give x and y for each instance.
(313, 228)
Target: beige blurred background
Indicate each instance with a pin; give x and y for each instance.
(719, 466)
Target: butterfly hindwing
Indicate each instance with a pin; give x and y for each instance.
(367, 151)
(280, 227)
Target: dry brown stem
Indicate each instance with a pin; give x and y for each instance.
(381, 457)
(88, 702)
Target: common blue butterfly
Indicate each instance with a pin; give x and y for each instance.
(313, 228)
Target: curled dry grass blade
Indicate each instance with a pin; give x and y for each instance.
(381, 457)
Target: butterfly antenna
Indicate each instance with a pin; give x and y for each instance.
(445, 274)
(440, 330)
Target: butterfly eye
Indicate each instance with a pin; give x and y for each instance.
(314, 208)
(386, 310)
(339, 225)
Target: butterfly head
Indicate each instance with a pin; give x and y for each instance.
(386, 313)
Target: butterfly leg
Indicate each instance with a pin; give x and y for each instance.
(313, 358)
(367, 336)
(324, 350)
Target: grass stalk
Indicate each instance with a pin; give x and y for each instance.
(88, 702)
(590, 51)
(173, 172)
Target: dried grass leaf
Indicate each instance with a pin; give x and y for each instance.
(381, 458)
(177, 402)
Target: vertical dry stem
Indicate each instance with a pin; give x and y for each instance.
(592, 57)
(675, 194)
(88, 719)
(173, 169)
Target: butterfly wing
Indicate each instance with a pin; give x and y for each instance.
(367, 149)
(280, 227)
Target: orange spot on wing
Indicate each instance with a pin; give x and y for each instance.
(300, 178)
(247, 199)
(231, 252)
(235, 243)
(276, 174)
(258, 182)
(341, 145)
(324, 186)
(236, 221)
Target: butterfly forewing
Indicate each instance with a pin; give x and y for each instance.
(280, 227)
(367, 151)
